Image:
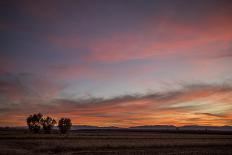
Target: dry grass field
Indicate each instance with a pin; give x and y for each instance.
(114, 143)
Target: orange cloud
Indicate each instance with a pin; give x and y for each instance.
(195, 104)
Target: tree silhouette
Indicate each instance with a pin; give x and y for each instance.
(34, 122)
(64, 125)
(48, 123)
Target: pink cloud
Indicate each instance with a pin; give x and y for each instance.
(89, 71)
(66, 42)
(198, 104)
(165, 39)
(6, 65)
(162, 38)
(17, 88)
(40, 10)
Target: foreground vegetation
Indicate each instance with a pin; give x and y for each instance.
(36, 121)
(113, 142)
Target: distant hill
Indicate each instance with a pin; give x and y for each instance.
(158, 127)
(89, 127)
(155, 127)
(184, 128)
(145, 127)
(212, 128)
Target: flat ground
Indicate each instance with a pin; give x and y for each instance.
(114, 143)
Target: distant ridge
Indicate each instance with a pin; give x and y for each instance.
(157, 127)
(184, 128)
(89, 127)
(145, 127)
(214, 128)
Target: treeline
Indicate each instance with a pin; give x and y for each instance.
(36, 121)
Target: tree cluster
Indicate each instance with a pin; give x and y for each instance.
(36, 121)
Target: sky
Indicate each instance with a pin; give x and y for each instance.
(117, 62)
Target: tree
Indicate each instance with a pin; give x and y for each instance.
(64, 125)
(34, 122)
(48, 123)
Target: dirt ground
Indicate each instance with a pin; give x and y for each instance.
(114, 143)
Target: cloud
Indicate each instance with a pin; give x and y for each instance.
(5, 65)
(167, 39)
(162, 41)
(100, 72)
(161, 34)
(44, 11)
(23, 86)
(202, 104)
(211, 115)
(65, 42)
(160, 37)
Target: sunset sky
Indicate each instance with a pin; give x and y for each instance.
(117, 62)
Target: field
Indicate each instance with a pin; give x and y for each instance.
(102, 142)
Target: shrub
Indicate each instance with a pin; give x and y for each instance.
(48, 123)
(64, 125)
(34, 122)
